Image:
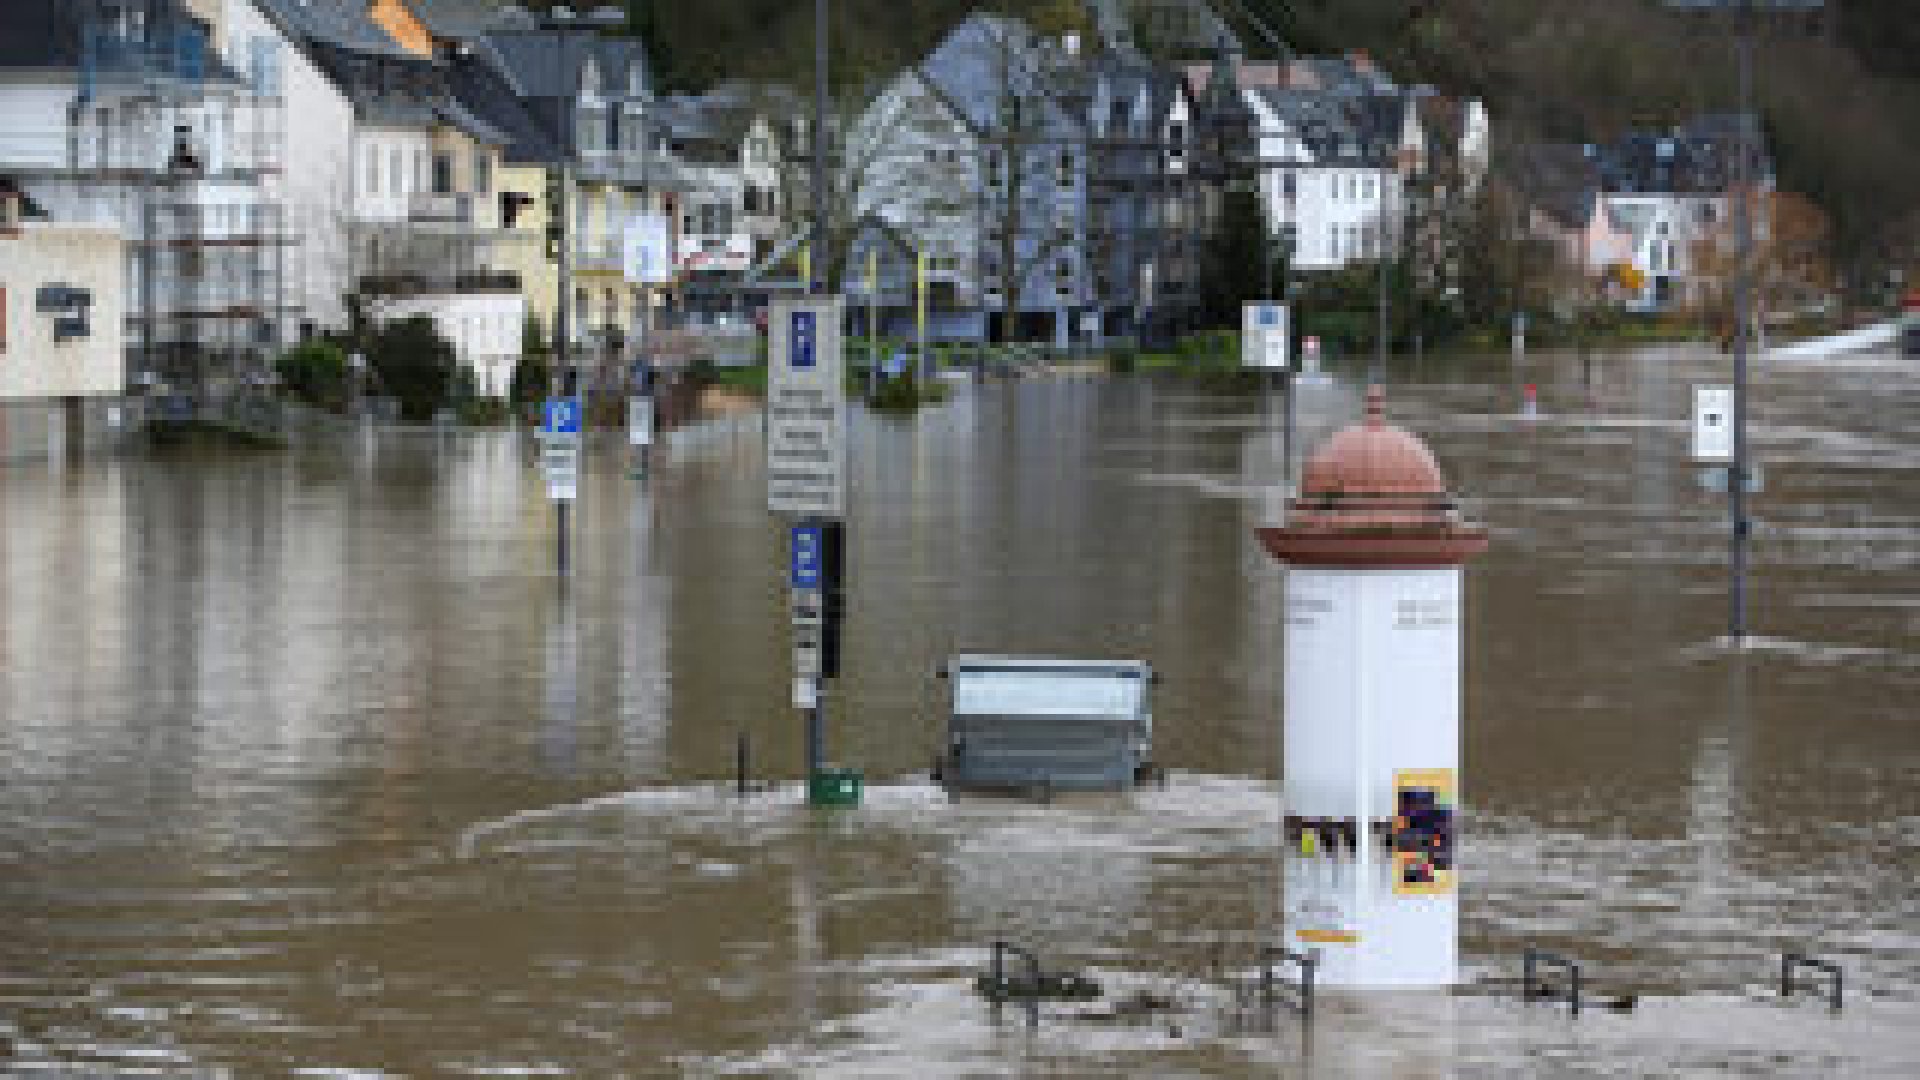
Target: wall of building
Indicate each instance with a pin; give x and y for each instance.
(314, 182)
(524, 249)
(33, 365)
(483, 327)
(391, 166)
(35, 106)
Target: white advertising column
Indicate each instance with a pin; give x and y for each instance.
(1374, 550)
(1372, 692)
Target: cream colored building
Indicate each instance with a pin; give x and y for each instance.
(62, 306)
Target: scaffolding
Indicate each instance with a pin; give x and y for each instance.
(180, 147)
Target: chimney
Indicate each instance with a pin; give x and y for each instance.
(9, 208)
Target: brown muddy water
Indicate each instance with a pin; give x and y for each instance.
(308, 768)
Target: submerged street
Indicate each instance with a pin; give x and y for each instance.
(309, 765)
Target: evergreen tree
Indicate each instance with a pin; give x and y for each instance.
(1235, 268)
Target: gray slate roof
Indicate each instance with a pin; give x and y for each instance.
(990, 62)
(457, 20)
(1698, 159)
(483, 90)
(341, 23)
(49, 34)
(1342, 128)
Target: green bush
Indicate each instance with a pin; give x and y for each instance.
(315, 372)
(412, 363)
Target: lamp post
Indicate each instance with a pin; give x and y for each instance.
(1742, 183)
(817, 283)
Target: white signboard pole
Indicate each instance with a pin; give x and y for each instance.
(806, 409)
(1713, 423)
(1264, 340)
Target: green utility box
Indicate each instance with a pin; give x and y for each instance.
(834, 786)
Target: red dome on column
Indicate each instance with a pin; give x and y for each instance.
(1372, 496)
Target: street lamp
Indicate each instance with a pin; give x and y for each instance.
(1742, 182)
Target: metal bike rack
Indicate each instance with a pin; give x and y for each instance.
(1305, 963)
(1035, 986)
(1533, 985)
(1793, 962)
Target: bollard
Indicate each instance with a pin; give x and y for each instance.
(742, 751)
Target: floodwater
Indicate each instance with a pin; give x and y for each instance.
(309, 768)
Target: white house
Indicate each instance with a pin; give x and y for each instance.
(276, 43)
(1665, 233)
(1340, 150)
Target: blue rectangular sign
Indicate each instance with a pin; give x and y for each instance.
(562, 417)
(807, 549)
(1269, 316)
(803, 340)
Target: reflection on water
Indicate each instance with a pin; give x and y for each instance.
(307, 762)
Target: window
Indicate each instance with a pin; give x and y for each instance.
(373, 169)
(264, 57)
(1333, 240)
(1289, 184)
(396, 172)
(442, 174)
(482, 170)
(1066, 168)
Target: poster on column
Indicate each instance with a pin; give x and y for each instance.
(1423, 827)
(1321, 878)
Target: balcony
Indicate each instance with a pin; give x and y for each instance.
(440, 208)
(401, 285)
(597, 255)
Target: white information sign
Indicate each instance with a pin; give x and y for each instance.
(1263, 337)
(640, 420)
(1712, 422)
(647, 251)
(561, 459)
(806, 409)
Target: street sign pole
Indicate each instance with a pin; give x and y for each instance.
(1737, 483)
(560, 460)
(806, 483)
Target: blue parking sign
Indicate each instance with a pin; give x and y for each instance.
(808, 547)
(803, 341)
(562, 416)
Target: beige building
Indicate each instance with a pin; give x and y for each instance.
(61, 309)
